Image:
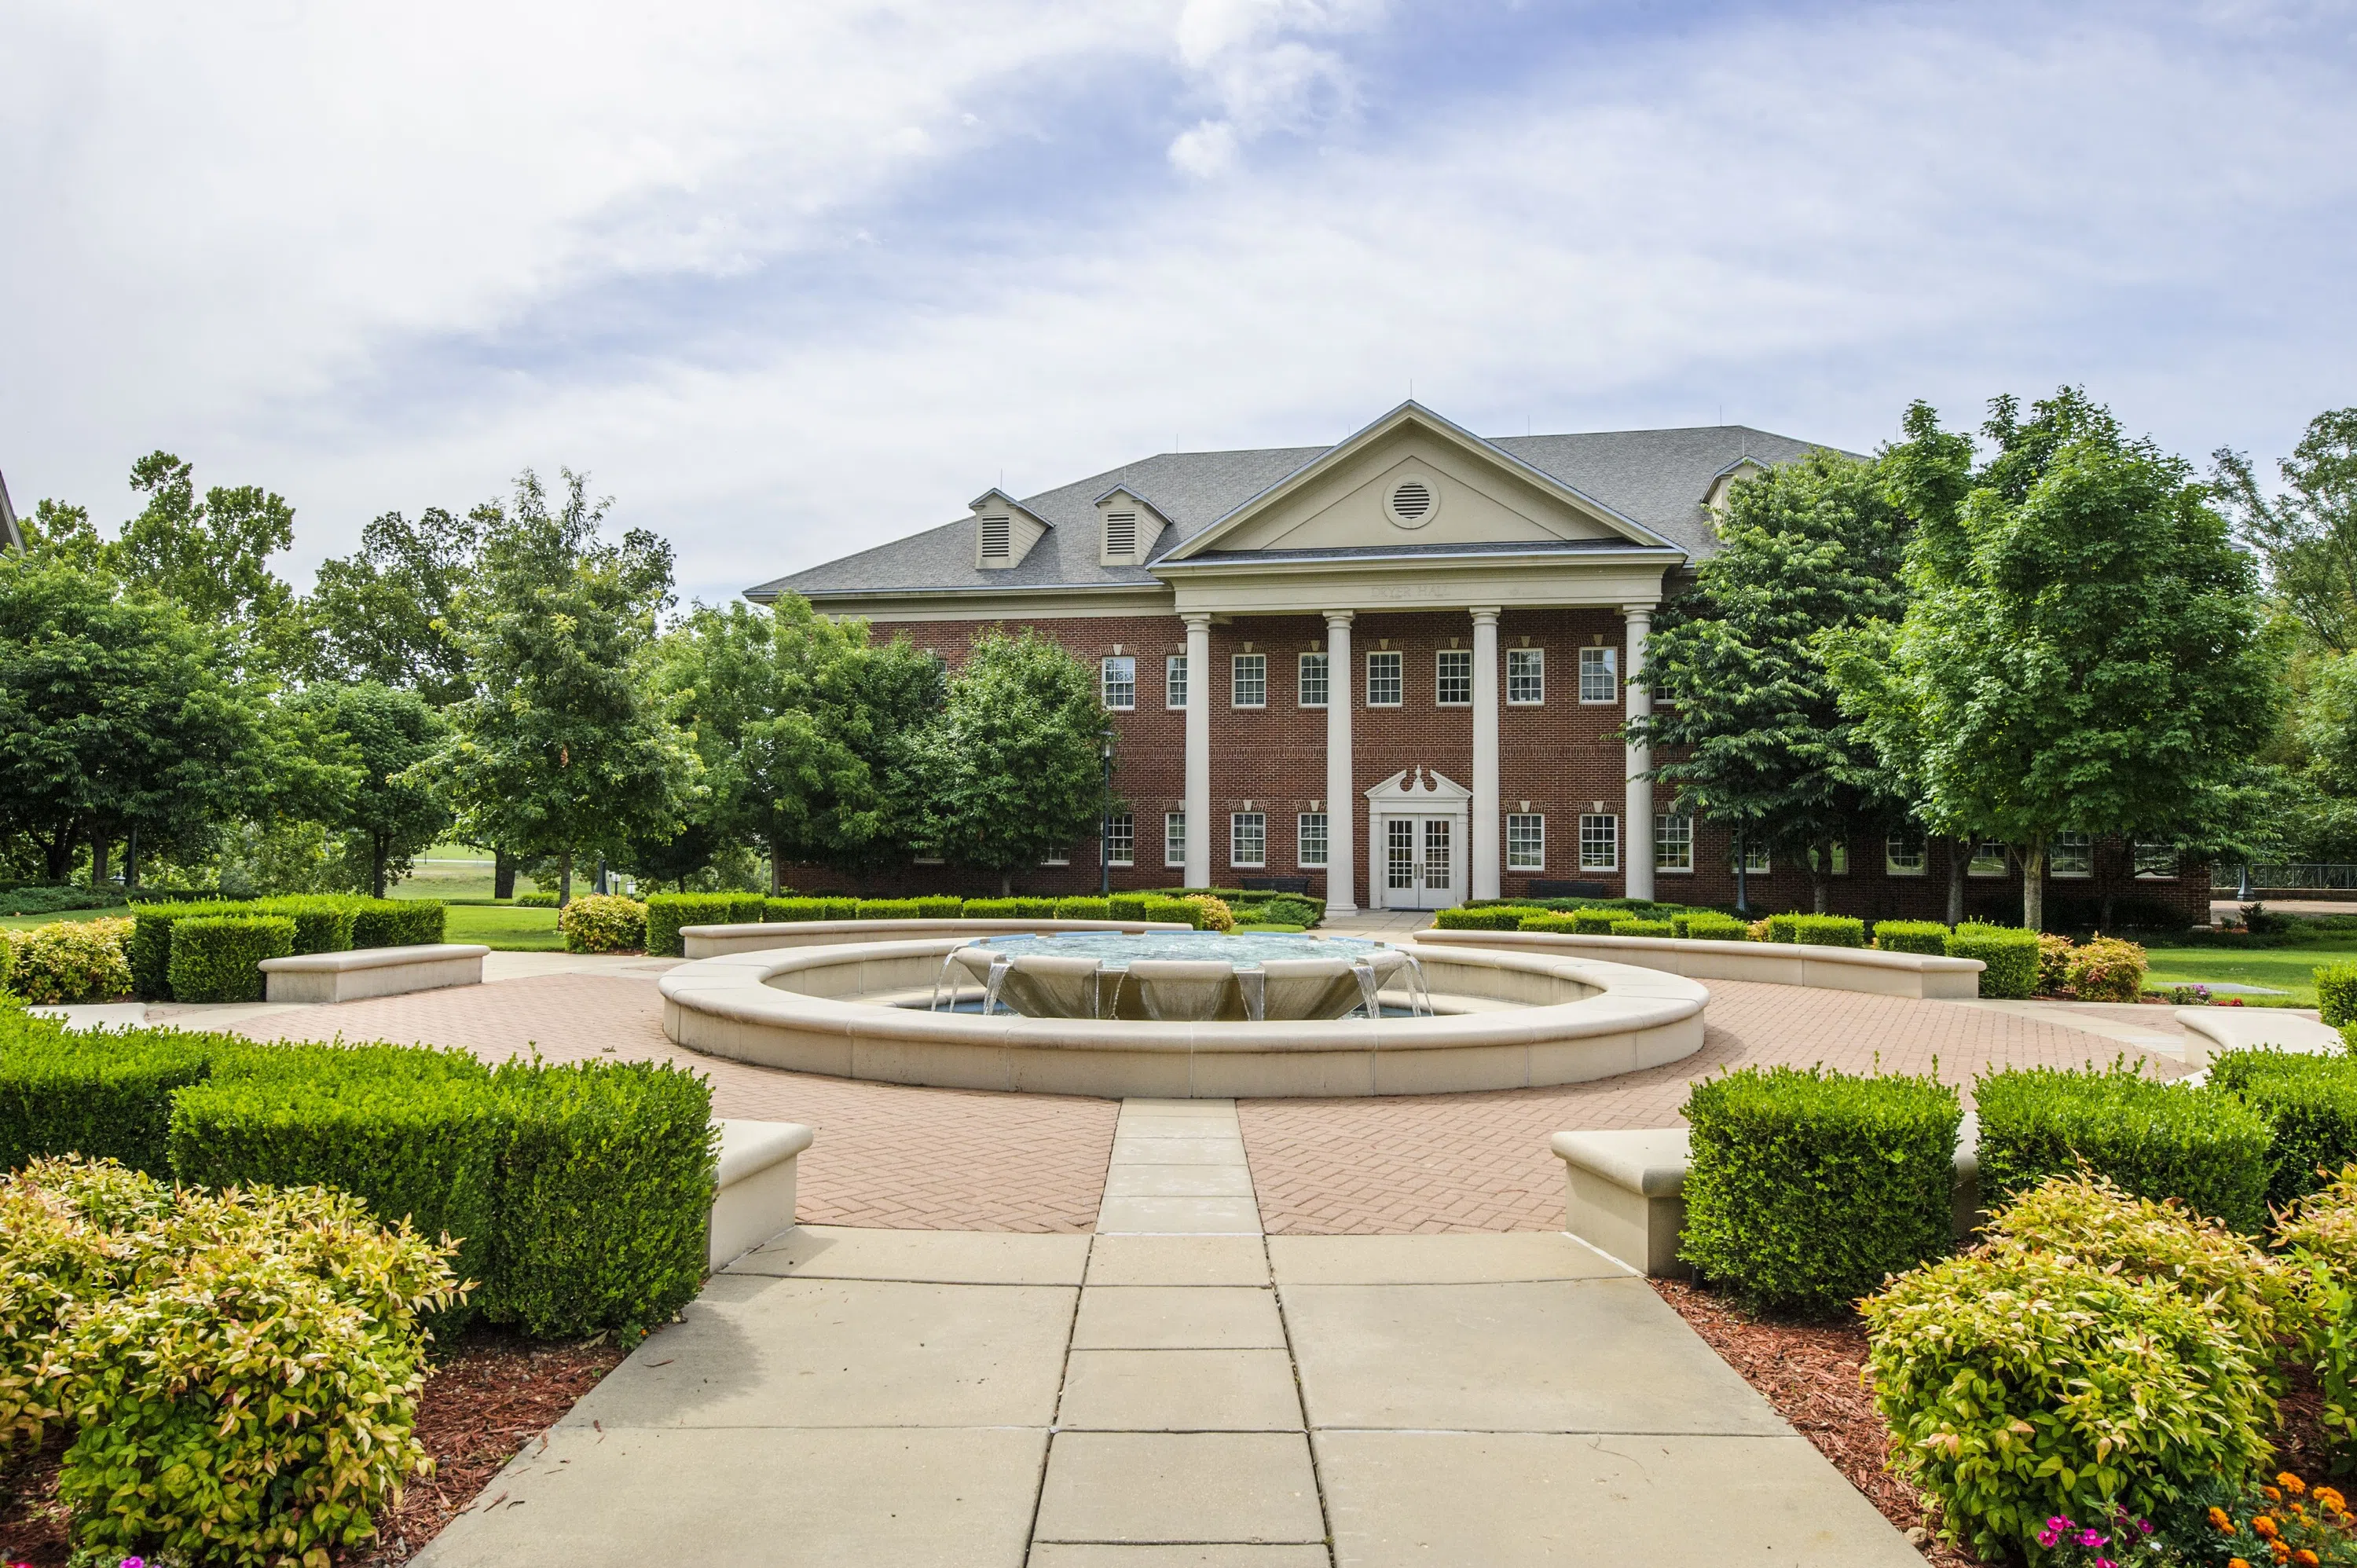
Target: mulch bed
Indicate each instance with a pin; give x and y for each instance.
(491, 1392)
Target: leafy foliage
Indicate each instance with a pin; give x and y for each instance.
(214, 956)
(2106, 970)
(106, 1095)
(667, 912)
(2202, 1146)
(604, 922)
(1911, 935)
(2009, 953)
(378, 735)
(2306, 539)
(2320, 1235)
(68, 960)
(382, 615)
(2336, 993)
(2310, 1106)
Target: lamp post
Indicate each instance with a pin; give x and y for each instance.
(1104, 818)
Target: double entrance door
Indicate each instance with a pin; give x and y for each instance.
(1421, 857)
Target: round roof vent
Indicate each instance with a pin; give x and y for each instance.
(1411, 503)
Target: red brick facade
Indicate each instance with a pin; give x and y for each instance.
(1561, 756)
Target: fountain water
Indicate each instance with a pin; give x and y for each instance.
(1176, 976)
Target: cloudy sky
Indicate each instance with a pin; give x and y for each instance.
(787, 278)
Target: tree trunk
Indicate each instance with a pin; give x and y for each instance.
(2033, 885)
(776, 889)
(376, 862)
(98, 867)
(1958, 851)
(131, 860)
(1742, 889)
(1007, 884)
(564, 877)
(57, 856)
(502, 873)
(1820, 867)
(2107, 911)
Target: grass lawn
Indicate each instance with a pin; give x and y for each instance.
(2287, 970)
(26, 922)
(504, 926)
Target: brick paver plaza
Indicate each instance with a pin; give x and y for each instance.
(898, 1157)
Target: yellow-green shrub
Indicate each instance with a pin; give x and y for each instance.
(2336, 993)
(604, 922)
(2054, 952)
(1217, 915)
(68, 961)
(2319, 1235)
(1911, 935)
(2105, 969)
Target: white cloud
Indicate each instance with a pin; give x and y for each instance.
(1249, 59)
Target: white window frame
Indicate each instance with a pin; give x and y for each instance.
(1105, 682)
(1312, 836)
(1898, 849)
(1975, 860)
(1174, 839)
(1526, 841)
(1441, 676)
(2139, 852)
(1673, 844)
(1839, 855)
(1757, 861)
(1174, 680)
(1396, 664)
(1237, 823)
(2082, 842)
(1599, 841)
(1599, 676)
(1120, 848)
(1324, 664)
(1244, 668)
(1532, 677)
(1063, 859)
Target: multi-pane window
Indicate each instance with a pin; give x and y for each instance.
(1526, 676)
(1599, 674)
(1313, 685)
(1248, 681)
(1121, 840)
(2073, 854)
(1837, 854)
(1174, 680)
(1453, 678)
(1120, 682)
(1386, 679)
(1599, 841)
(1174, 838)
(1989, 859)
(1309, 840)
(1755, 860)
(1526, 841)
(1060, 858)
(2155, 860)
(1673, 843)
(1248, 838)
(1903, 854)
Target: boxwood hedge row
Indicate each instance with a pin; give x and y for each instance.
(323, 923)
(2154, 1140)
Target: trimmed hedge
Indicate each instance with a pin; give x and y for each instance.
(106, 1095)
(1804, 1190)
(1125, 906)
(1635, 928)
(1709, 926)
(806, 909)
(1596, 922)
(2153, 1139)
(535, 901)
(1780, 927)
(1018, 909)
(1488, 918)
(887, 909)
(1180, 911)
(1084, 908)
(2310, 1106)
(667, 912)
(2009, 952)
(324, 922)
(940, 906)
(1548, 920)
(1828, 931)
(2336, 993)
(399, 923)
(1926, 937)
(213, 956)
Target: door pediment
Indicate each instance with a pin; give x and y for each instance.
(1427, 790)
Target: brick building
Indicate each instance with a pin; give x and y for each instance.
(1397, 668)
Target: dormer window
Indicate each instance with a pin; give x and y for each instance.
(998, 544)
(1120, 534)
(1127, 528)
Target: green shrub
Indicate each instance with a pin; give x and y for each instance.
(2310, 1106)
(399, 923)
(1643, 928)
(106, 1094)
(535, 901)
(603, 922)
(668, 912)
(1595, 922)
(1123, 906)
(1083, 910)
(2106, 970)
(2319, 1235)
(2154, 1140)
(1548, 920)
(150, 947)
(214, 956)
(1781, 928)
(2053, 962)
(2336, 993)
(1828, 931)
(323, 921)
(887, 909)
(1487, 918)
(2009, 953)
(1805, 1189)
(1179, 911)
(991, 908)
(58, 900)
(606, 1188)
(940, 906)
(1216, 915)
(1708, 926)
(67, 961)
(2021, 1385)
(1911, 935)
(784, 910)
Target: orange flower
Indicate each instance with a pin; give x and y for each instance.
(2237, 1563)
(2273, 1496)
(2306, 1559)
(2330, 1499)
(2218, 1521)
(2265, 1528)
(2283, 1552)
(2290, 1483)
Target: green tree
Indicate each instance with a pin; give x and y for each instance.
(1807, 547)
(387, 806)
(805, 727)
(383, 613)
(2306, 538)
(117, 714)
(1008, 773)
(561, 749)
(209, 556)
(2081, 647)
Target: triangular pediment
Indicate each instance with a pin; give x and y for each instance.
(1419, 786)
(1414, 479)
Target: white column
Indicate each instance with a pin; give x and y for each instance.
(1485, 864)
(1640, 823)
(1198, 750)
(1341, 792)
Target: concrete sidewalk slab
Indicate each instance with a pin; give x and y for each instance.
(755, 1352)
(1141, 1179)
(892, 1498)
(1172, 1317)
(1180, 1486)
(1180, 1151)
(1562, 1355)
(1179, 1390)
(939, 1257)
(1067, 1554)
(1437, 1260)
(1180, 1216)
(1178, 1260)
(1399, 1498)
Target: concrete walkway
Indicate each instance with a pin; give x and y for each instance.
(1176, 1388)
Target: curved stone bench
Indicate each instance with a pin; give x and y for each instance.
(2208, 1030)
(806, 1010)
(1868, 969)
(372, 971)
(756, 1197)
(1624, 1192)
(718, 942)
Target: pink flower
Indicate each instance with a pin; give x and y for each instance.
(2048, 1537)
(2089, 1538)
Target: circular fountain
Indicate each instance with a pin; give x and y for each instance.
(1173, 1012)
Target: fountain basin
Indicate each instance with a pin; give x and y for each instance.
(1174, 976)
(857, 1011)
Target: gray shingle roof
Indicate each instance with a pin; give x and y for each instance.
(1657, 478)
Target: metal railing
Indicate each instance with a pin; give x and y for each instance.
(2313, 876)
